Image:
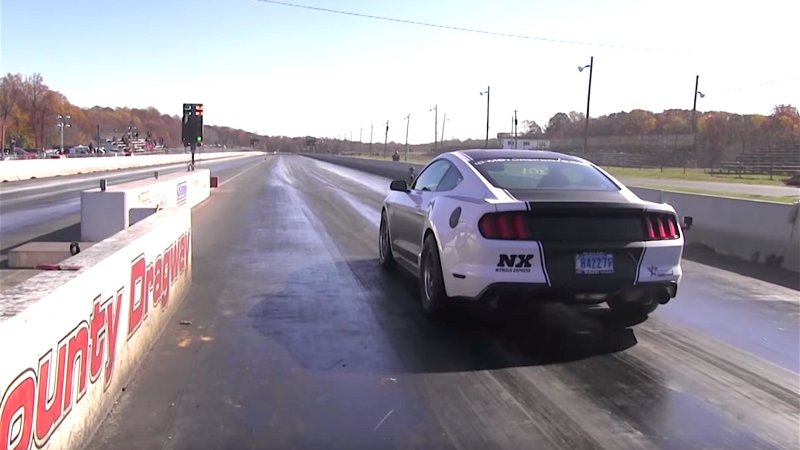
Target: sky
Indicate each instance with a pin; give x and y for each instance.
(280, 70)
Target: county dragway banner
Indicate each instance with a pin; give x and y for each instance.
(68, 352)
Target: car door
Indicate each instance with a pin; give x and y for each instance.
(411, 210)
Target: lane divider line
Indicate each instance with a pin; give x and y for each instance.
(223, 183)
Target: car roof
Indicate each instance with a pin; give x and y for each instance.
(483, 154)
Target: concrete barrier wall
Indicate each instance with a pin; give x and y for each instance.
(72, 339)
(762, 232)
(104, 213)
(15, 170)
(389, 169)
(757, 231)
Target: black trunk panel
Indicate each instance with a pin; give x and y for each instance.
(560, 264)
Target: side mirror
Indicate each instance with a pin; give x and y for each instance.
(399, 185)
(687, 222)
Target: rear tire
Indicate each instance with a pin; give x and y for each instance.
(385, 255)
(433, 297)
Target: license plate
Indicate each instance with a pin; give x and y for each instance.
(594, 263)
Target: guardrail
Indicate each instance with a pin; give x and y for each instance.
(758, 231)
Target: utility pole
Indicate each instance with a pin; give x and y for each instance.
(512, 133)
(515, 129)
(370, 138)
(408, 122)
(360, 140)
(98, 137)
(435, 109)
(386, 139)
(488, 93)
(444, 122)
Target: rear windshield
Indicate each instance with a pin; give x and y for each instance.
(520, 173)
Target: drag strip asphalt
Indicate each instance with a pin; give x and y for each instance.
(293, 337)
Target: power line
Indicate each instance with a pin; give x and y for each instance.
(469, 30)
(758, 85)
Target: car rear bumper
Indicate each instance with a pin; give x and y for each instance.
(549, 271)
(660, 292)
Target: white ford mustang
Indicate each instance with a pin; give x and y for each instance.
(478, 225)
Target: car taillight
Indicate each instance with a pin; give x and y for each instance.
(659, 227)
(509, 226)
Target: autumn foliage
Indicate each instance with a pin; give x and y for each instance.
(29, 111)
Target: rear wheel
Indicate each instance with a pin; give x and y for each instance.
(432, 293)
(385, 255)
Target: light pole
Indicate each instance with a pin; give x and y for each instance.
(408, 122)
(694, 114)
(444, 122)
(435, 128)
(63, 122)
(386, 139)
(487, 92)
(588, 100)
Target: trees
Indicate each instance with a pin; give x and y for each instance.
(28, 111)
(9, 87)
(35, 89)
(784, 122)
(558, 125)
(530, 128)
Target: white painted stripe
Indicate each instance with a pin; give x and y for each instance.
(543, 262)
(222, 183)
(639, 266)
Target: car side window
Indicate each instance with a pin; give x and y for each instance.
(450, 180)
(431, 176)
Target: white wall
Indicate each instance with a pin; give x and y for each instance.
(15, 170)
(104, 213)
(100, 308)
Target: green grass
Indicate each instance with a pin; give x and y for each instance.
(789, 199)
(668, 173)
(674, 173)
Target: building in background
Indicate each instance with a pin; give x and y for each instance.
(522, 143)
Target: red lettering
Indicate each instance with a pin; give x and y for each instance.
(182, 254)
(173, 264)
(165, 277)
(49, 402)
(98, 326)
(148, 286)
(157, 288)
(137, 297)
(16, 413)
(112, 311)
(77, 357)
